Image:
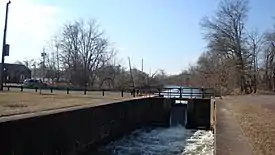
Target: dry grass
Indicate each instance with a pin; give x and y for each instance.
(257, 120)
(24, 102)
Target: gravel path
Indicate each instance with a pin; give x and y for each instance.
(230, 139)
(256, 116)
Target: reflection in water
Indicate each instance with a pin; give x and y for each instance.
(161, 141)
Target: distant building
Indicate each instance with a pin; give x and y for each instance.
(15, 73)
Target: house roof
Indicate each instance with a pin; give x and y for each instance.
(16, 67)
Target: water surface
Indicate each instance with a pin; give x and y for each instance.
(162, 141)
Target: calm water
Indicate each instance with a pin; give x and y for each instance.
(186, 92)
(162, 141)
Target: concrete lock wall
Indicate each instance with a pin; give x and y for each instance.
(81, 129)
(199, 113)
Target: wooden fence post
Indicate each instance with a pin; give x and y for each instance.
(159, 92)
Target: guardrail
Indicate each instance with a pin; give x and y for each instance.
(134, 92)
(186, 92)
(169, 92)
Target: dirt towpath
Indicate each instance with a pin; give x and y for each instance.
(246, 124)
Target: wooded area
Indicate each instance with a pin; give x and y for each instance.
(236, 60)
(82, 56)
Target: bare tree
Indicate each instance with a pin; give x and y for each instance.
(215, 70)
(255, 44)
(27, 62)
(268, 60)
(50, 66)
(122, 79)
(225, 34)
(107, 74)
(53, 59)
(83, 51)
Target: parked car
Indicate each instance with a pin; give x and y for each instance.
(32, 83)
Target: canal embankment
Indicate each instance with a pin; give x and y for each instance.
(78, 129)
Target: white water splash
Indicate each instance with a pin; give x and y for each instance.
(201, 143)
(162, 141)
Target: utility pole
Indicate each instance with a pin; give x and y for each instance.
(144, 77)
(187, 82)
(5, 47)
(43, 55)
(114, 60)
(132, 79)
(34, 70)
(142, 65)
(58, 67)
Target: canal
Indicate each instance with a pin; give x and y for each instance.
(175, 140)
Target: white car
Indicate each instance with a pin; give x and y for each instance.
(33, 83)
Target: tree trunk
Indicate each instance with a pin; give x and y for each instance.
(255, 83)
(273, 80)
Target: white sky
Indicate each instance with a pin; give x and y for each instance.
(30, 27)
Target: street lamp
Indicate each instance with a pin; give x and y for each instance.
(5, 49)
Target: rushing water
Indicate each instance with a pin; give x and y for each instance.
(175, 140)
(162, 141)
